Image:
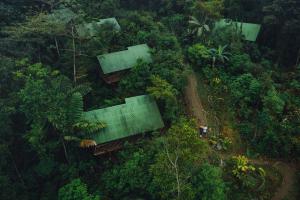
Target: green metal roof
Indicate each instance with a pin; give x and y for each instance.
(91, 29)
(249, 30)
(64, 15)
(121, 60)
(138, 115)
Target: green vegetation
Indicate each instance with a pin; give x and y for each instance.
(51, 79)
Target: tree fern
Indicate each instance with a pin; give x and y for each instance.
(89, 127)
(74, 109)
(83, 89)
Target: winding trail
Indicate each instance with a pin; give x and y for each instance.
(195, 109)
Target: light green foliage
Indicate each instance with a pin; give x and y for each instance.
(181, 151)
(89, 127)
(165, 92)
(198, 54)
(272, 102)
(161, 89)
(75, 190)
(219, 54)
(211, 8)
(37, 25)
(247, 175)
(241, 166)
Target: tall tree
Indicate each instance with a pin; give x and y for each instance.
(76, 190)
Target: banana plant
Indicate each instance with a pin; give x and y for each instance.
(219, 54)
(198, 27)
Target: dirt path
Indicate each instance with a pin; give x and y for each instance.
(288, 174)
(195, 108)
(193, 101)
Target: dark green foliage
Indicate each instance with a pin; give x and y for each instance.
(130, 179)
(212, 186)
(75, 190)
(282, 20)
(41, 103)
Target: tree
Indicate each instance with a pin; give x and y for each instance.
(209, 183)
(137, 80)
(200, 28)
(219, 54)
(75, 190)
(165, 92)
(198, 54)
(273, 103)
(247, 176)
(130, 178)
(181, 150)
(282, 20)
(49, 98)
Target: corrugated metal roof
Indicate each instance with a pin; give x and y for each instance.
(91, 29)
(249, 30)
(138, 115)
(121, 60)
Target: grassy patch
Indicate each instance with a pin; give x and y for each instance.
(220, 121)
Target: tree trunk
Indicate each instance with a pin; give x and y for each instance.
(65, 149)
(298, 59)
(56, 45)
(74, 55)
(213, 62)
(174, 164)
(16, 168)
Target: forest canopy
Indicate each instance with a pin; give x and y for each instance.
(222, 78)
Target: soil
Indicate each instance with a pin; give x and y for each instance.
(194, 104)
(288, 173)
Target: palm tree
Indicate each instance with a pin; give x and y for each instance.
(219, 54)
(199, 27)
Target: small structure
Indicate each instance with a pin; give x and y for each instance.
(113, 64)
(249, 31)
(91, 29)
(138, 115)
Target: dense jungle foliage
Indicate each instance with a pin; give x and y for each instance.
(49, 75)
